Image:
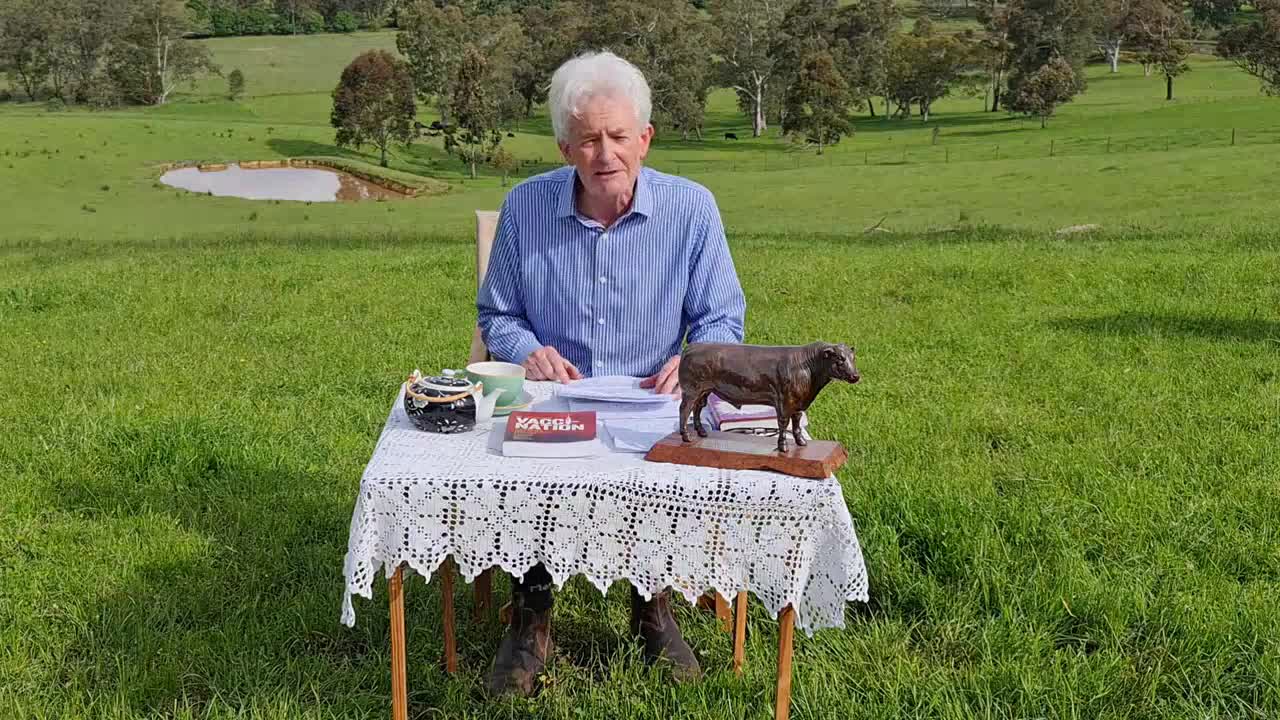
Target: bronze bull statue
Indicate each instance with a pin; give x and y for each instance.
(788, 377)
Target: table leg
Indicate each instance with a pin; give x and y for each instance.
(483, 594)
(739, 631)
(723, 613)
(786, 630)
(446, 605)
(399, 688)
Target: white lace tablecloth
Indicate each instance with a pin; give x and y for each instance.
(425, 496)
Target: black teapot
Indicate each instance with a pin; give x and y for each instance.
(446, 403)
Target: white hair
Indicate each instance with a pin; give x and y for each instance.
(595, 74)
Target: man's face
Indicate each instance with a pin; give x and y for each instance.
(607, 147)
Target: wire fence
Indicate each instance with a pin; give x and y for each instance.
(873, 149)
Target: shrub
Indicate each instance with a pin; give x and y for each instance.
(235, 84)
(345, 22)
(257, 20)
(311, 22)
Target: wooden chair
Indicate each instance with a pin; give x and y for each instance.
(732, 620)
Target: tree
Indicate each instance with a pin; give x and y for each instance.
(1215, 13)
(747, 29)
(1255, 48)
(818, 102)
(807, 28)
(1113, 28)
(373, 102)
(1040, 30)
(1158, 29)
(1053, 84)
(153, 57)
(87, 29)
(993, 48)
(863, 36)
(552, 34)
(670, 42)
(235, 84)
(432, 38)
(26, 30)
(924, 66)
(504, 162)
(473, 134)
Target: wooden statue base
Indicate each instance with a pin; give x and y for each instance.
(738, 451)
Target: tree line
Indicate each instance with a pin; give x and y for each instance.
(220, 18)
(101, 52)
(805, 65)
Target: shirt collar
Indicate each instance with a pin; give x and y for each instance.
(641, 201)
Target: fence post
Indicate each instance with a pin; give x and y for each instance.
(997, 152)
(1108, 144)
(948, 151)
(904, 154)
(1051, 148)
(865, 160)
(1233, 137)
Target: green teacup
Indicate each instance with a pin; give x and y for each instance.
(503, 376)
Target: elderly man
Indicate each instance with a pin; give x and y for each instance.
(603, 267)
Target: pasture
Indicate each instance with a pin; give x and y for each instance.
(1063, 454)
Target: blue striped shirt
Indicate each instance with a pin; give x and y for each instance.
(616, 301)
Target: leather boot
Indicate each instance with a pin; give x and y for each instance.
(525, 647)
(660, 635)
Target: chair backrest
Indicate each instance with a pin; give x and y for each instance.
(486, 228)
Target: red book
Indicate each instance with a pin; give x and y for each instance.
(552, 434)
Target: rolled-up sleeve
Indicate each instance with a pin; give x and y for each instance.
(714, 307)
(504, 324)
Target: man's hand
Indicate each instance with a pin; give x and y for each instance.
(545, 363)
(667, 379)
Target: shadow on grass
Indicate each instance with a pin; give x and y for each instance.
(245, 614)
(252, 620)
(1202, 326)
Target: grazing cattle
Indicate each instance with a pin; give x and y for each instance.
(435, 125)
(731, 136)
(511, 134)
(788, 377)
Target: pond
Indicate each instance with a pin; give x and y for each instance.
(314, 184)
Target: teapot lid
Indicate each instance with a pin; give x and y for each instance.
(446, 382)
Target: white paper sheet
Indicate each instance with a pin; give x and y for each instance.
(637, 435)
(610, 388)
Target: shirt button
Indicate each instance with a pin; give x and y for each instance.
(601, 321)
(604, 236)
(599, 363)
(603, 279)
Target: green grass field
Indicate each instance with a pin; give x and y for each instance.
(1063, 456)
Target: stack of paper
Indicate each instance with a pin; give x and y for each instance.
(618, 397)
(610, 388)
(636, 417)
